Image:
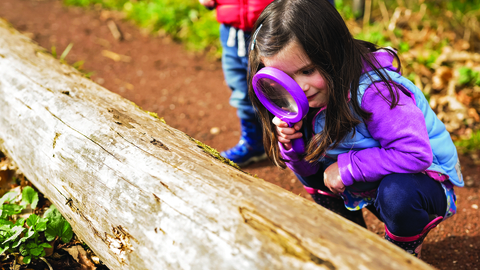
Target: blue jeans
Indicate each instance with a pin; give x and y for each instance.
(403, 202)
(235, 70)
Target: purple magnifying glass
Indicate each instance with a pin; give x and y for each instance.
(283, 97)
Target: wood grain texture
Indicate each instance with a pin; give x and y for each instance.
(144, 195)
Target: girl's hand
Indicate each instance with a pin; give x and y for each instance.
(207, 3)
(286, 133)
(333, 180)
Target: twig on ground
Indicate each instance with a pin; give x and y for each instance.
(45, 261)
(114, 30)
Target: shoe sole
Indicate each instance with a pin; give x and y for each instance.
(252, 160)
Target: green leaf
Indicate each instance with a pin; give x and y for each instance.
(45, 245)
(7, 210)
(60, 228)
(6, 227)
(20, 222)
(36, 251)
(50, 233)
(32, 220)
(404, 47)
(9, 196)
(23, 250)
(30, 234)
(24, 239)
(7, 222)
(67, 233)
(3, 249)
(41, 225)
(27, 259)
(465, 75)
(52, 213)
(17, 230)
(31, 245)
(29, 196)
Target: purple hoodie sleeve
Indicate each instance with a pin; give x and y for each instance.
(402, 134)
(296, 163)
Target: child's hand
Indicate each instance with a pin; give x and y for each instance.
(286, 133)
(207, 3)
(333, 180)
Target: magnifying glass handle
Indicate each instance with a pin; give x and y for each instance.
(298, 145)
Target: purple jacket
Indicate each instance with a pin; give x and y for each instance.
(401, 135)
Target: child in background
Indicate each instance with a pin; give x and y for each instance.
(372, 139)
(237, 19)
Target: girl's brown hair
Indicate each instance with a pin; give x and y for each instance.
(320, 30)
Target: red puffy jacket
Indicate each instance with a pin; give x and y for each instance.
(240, 14)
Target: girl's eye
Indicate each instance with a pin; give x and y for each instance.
(308, 71)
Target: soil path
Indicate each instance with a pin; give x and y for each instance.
(189, 92)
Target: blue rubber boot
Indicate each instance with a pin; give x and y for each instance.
(250, 147)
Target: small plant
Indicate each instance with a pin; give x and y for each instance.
(29, 235)
(77, 65)
(54, 51)
(469, 145)
(468, 76)
(65, 52)
(57, 226)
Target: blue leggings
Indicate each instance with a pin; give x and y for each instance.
(404, 202)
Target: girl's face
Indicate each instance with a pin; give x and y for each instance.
(294, 61)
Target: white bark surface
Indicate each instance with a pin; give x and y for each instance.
(144, 195)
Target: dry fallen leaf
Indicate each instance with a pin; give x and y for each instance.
(442, 77)
(80, 255)
(464, 98)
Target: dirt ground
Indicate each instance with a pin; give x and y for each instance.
(189, 92)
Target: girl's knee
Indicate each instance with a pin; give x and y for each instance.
(398, 200)
(395, 191)
(410, 192)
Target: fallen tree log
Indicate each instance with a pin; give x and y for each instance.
(144, 195)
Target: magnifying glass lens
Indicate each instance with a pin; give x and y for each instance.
(277, 95)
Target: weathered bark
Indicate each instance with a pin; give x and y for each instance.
(144, 195)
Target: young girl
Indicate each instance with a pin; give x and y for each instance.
(372, 139)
